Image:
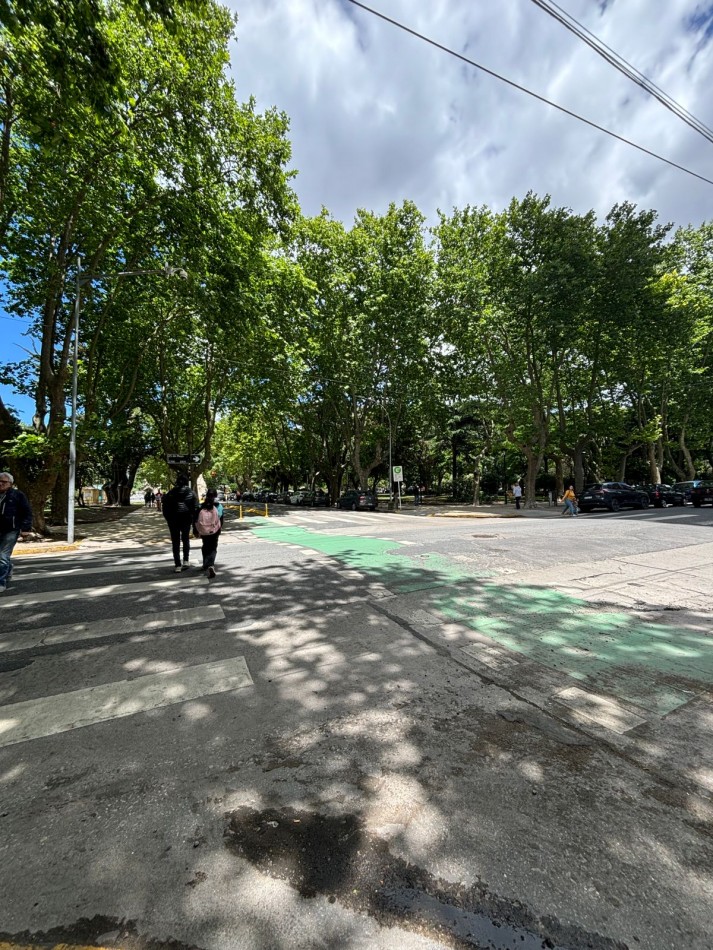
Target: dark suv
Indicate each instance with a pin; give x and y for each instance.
(686, 487)
(358, 499)
(662, 495)
(702, 493)
(612, 495)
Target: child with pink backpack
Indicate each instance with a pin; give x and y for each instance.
(207, 527)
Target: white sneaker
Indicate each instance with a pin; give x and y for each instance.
(177, 569)
(185, 566)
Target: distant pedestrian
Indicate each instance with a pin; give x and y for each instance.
(159, 499)
(147, 498)
(570, 501)
(15, 520)
(207, 527)
(517, 494)
(416, 496)
(179, 508)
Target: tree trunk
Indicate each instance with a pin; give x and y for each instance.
(534, 460)
(476, 484)
(690, 467)
(654, 470)
(59, 504)
(38, 491)
(578, 469)
(454, 469)
(559, 477)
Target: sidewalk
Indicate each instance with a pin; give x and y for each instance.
(147, 526)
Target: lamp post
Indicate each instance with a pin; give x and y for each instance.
(83, 279)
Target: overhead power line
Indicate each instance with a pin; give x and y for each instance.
(618, 62)
(529, 92)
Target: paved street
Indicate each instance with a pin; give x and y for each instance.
(371, 730)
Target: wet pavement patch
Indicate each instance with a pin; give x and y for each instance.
(336, 857)
(98, 931)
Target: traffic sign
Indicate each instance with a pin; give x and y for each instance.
(398, 473)
(183, 459)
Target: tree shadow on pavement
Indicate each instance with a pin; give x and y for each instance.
(439, 795)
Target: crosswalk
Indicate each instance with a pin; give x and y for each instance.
(338, 518)
(89, 638)
(85, 606)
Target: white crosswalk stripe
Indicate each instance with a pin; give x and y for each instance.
(50, 715)
(80, 632)
(83, 706)
(93, 593)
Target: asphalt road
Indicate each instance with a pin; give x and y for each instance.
(370, 730)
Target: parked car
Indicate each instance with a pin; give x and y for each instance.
(248, 496)
(612, 495)
(302, 497)
(702, 493)
(283, 498)
(321, 499)
(662, 495)
(354, 499)
(686, 487)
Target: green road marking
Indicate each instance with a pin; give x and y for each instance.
(656, 666)
(659, 667)
(375, 557)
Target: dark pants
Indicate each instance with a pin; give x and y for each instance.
(8, 540)
(180, 532)
(517, 502)
(209, 549)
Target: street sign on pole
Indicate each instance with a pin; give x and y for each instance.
(398, 473)
(183, 459)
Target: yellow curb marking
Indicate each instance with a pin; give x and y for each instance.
(44, 549)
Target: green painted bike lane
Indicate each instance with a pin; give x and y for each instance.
(658, 667)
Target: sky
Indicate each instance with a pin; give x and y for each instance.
(379, 116)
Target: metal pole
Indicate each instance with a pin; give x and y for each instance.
(391, 480)
(73, 429)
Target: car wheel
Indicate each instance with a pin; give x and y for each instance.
(614, 505)
(645, 502)
(586, 510)
(353, 506)
(697, 504)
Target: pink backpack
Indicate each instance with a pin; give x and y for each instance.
(208, 522)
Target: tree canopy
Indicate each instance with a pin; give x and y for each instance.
(530, 342)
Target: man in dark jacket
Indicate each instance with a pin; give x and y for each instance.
(179, 508)
(15, 520)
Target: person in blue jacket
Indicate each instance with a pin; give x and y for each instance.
(15, 520)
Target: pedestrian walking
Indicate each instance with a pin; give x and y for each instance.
(416, 496)
(147, 498)
(517, 494)
(179, 508)
(15, 520)
(207, 527)
(159, 499)
(570, 502)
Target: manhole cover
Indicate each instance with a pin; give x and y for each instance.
(485, 535)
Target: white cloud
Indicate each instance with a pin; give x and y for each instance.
(378, 115)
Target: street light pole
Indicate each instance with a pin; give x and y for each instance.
(83, 279)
